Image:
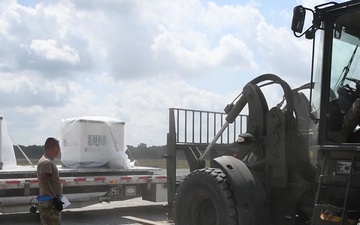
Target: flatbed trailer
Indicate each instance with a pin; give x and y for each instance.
(82, 187)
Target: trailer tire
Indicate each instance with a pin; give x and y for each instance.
(205, 198)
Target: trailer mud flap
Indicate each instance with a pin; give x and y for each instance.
(251, 196)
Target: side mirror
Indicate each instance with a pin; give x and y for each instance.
(298, 20)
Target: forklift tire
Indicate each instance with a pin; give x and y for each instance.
(205, 198)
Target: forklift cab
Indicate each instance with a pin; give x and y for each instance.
(335, 32)
(344, 85)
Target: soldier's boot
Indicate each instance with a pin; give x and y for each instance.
(351, 120)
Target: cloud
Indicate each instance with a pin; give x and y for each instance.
(133, 60)
(28, 91)
(284, 54)
(44, 40)
(144, 105)
(146, 39)
(49, 50)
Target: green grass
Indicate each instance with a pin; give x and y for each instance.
(24, 162)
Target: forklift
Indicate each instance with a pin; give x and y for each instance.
(289, 166)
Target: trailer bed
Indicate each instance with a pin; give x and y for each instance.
(30, 171)
(82, 186)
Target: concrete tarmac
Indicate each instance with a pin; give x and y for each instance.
(101, 214)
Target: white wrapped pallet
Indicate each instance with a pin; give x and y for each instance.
(7, 154)
(92, 142)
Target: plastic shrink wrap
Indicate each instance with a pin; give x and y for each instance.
(93, 142)
(7, 154)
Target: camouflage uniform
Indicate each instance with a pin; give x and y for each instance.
(350, 121)
(48, 214)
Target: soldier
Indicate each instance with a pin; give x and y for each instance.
(349, 122)
(50, 187)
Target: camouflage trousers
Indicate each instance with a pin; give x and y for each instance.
(48, 214)
(352, 116)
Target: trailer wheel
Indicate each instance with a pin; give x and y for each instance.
(205, 198)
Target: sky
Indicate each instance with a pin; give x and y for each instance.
(134, 59)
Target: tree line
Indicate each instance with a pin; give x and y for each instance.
(142, 151)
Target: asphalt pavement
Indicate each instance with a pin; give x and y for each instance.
(114, 213)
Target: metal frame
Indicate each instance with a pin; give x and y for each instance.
(191, 131)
